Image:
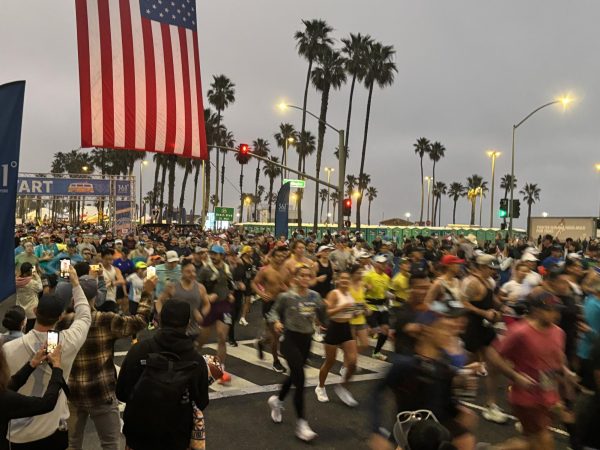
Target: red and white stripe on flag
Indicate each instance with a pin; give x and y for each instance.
(139, 76)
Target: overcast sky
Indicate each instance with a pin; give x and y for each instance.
(467, 71)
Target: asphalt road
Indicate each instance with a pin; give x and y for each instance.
(238, 416)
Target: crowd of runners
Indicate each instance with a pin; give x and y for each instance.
(445, 312)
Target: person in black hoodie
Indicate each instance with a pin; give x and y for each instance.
(14, 405)
(175, 432)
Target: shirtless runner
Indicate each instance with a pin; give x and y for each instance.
(269, 282)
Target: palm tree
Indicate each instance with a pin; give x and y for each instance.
(323, 195)
(258, 197)
(475, 184)
(354, 49)
(363, 182)
(335, 199)
(506, 185)
(371, 195)
(436, 152)
(162, 161)
(186, 164)
(260, 147)
(227, 140)
(212, 129)
(422, 147)
(220, 95)
(482, 191)
(306, 146)
(271, 171)
(351, 182)
(531, 194)
(439, 189)
(172, 165)
(455, 191)
(214, 200)
(242, 160)
(285, 137)
(379, 69)
(329, 74)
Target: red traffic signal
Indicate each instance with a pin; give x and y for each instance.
(244, 149)
(347, 206)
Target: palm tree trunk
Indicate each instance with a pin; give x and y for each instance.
(302, 129)
(369, 213)
(172, 166)
(155, 192)
(206, 199)
(362, 158)
(480, 208)
(454, 211)
(256, 191)
(434, 210)
(323, 117)
(196, 176)
(217, 165)
(440, 212)
(182, 218)
(242, 192)
(473, 200)
(162, 192)
(434, 204)
(422, 193)
(349, 111)
(270, 198)
(528, 217)
(223, 179)
(322, 204)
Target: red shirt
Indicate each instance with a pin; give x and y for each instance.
(539, 354)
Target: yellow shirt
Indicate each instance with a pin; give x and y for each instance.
(359, 298)
(378, 284)
(401, 288)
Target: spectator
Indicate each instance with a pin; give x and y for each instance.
(50, 430)
(27, 256)
(161, 432)
(29, 285)
(14, 321)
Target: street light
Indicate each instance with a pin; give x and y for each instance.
(429, 180)
(544, 214)
(85, 168)
(492, 154)
(142, 164)
(407, 215)
(328, 170)
(283, 106)
(564, 101)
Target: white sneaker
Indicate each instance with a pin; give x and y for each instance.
(318, 337)
(379, 356)
(321, 394)
(343, 372)
(345, 395)
(276, 408)
(304, 432)
(494, 414)
(243, 322)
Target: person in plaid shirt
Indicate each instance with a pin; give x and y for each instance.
(93, 378)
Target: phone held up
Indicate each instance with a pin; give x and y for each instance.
(51, 341)
(65, 264)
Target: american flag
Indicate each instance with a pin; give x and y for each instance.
(139, 75)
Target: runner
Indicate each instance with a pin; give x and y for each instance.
(341, 308)
(377, 282)
(112, 279)
(298, 258)
(359, 322)
(269, 282)
(293, 314)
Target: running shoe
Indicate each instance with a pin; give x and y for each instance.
(233, 343)
(151, 326)
(304, 432)
(321, 394)
(379, 356)
(345, 395)
(318, 337)
(343, 371)
(493, 413)
(276, 406)
(243, 322)
(225, 378)
(258, 344)
(278, 367)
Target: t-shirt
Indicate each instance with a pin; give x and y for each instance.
(45, 250)
(401, 288)
(538, 354)
(24, 257)
(135, 287)
(591, 313)
(514, 290)
(378, 284)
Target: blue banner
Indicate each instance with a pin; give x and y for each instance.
(123, 216)
(11, 115)
(87, 187)
(281, 211)
(123, 188)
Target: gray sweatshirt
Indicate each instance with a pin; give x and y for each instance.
(296, 312)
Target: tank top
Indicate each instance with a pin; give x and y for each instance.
(359, 298)
(324, 287)
(191, 297)
(111, 291)
(343, 299)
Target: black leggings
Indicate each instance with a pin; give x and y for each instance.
(236, 312)
(295, 349)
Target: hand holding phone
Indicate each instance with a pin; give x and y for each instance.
(52, 341)
(150, 272)
(65, 265)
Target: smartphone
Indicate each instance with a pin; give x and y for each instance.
(150, 272)
(95, 267)
(65, 264)
(51, 341)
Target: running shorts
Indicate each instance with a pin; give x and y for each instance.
(219, 311)
(338, 333)
(378, 318)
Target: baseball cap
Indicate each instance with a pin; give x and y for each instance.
(380, 259)
(487, 260)
(451, 259)
(172, 256)
(200, 249)
(175, 314)
(324, 248)
(118, 241)
(50, 307)
(528, 257)
(245, 249)
(545, 300)
(217, 249)
(364, 255)
(141, 265)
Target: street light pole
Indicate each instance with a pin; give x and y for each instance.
(565, 101)
(493, 154)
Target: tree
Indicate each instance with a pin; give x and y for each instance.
(371, 195)
(220, 95)
(242, 160)
(323, 195)
(422, 147)
(439, 189)
(455, 191)
(162, 161)
(506, 185)
(306, 146)
(260, 147)
(475, 184)
(227, 140)
(436, 152)
(531, 194)
(186, 165)
(212, 128)
(351, 182)
(259, 195)
(329, 74)
(363, 182)
(172, 165)
(286, 136)
(379, 70)
(335, 199)
(271, 171)
(355, 50)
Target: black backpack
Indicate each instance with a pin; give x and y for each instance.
(160, 399)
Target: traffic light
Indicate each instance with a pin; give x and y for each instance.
(347, 204)
(516, 209)
(503, 211)
(244, 150)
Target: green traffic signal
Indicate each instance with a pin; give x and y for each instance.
(502, 213)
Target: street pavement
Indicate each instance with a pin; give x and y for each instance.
(238, 416)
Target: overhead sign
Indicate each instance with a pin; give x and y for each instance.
(224, 214)
(88, 187)
(295, 183)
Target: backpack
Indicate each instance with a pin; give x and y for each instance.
(160, 399)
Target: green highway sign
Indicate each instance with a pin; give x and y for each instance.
(295, 183)
(224, 214)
